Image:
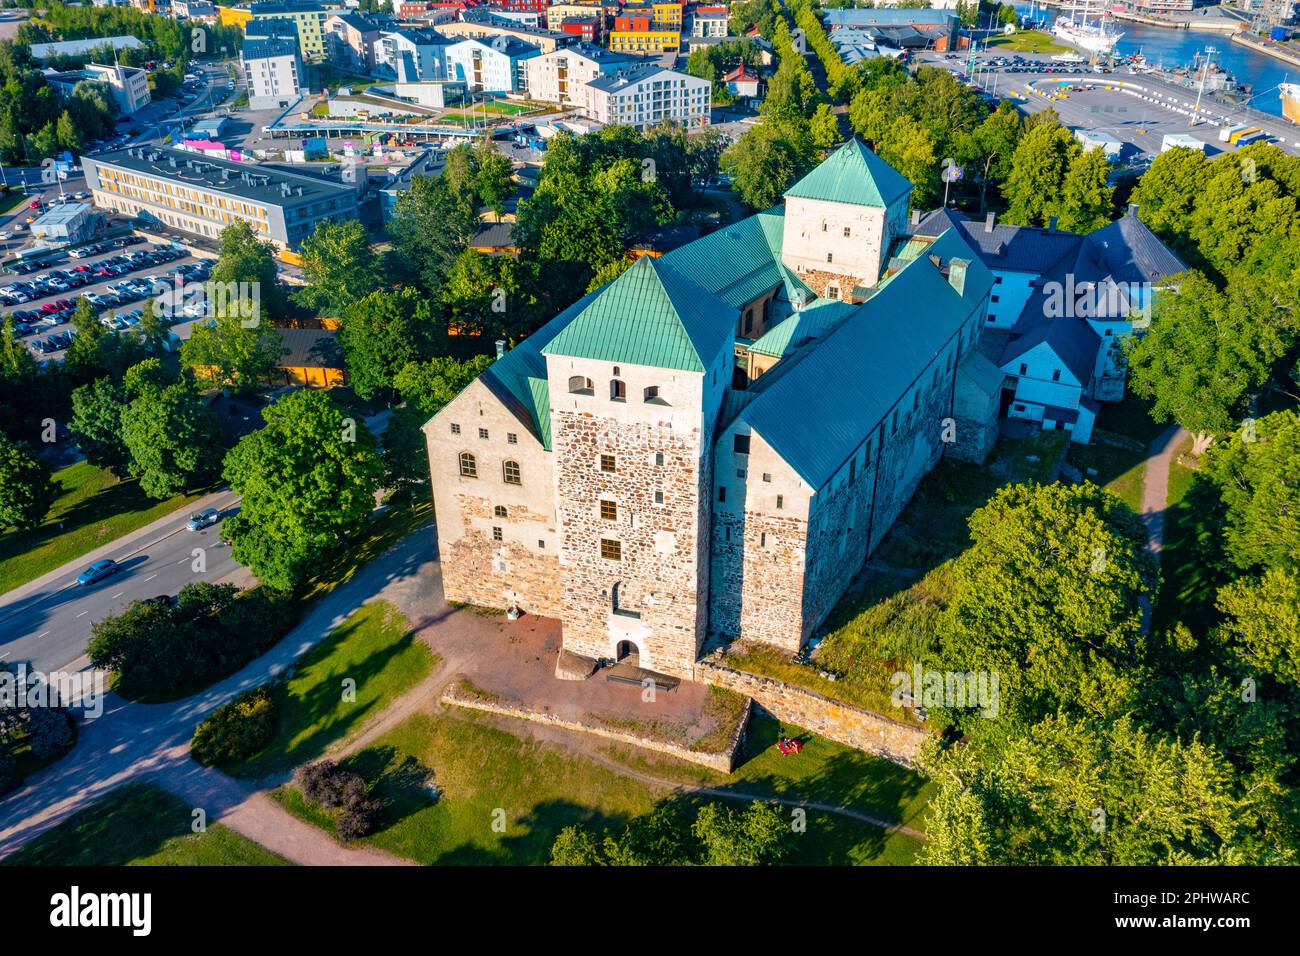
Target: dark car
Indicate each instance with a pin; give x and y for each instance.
(98, 571)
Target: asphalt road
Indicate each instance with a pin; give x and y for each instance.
(50, 626)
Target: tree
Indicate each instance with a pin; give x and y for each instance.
(1048, 596)
(67, 135)
(754, 836)
(383, 332)
(152, 330)
(1257, 473)
(494, 179)
(824, 127)
(911, 150)
(244, 281)
(96, 424)
(228, 351)
(991, 147)
(26, 491)
(1086, 203)
(339, 267)
(1262, 622)
(1070, 792)
(763, 164)
(82, 358)
(1206, 351)
(172, 437)
(425, 388)
(308, 480)
(429, 228)
(1038, 170)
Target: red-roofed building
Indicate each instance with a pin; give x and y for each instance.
(742, 82)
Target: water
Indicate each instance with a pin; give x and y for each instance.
(1175, 48)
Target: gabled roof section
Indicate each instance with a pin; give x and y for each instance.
(1008, 248)
(829, 398)
(740, 262)
(855, 175)
(812, 322)
(651, 316)
(1071, 339)
(1133, 253)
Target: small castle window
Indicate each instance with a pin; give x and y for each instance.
(511, 473)
(608, 510)
(767, 476)
(762, 540)
(780, 502)
(581, 385)
(617, 390)
(607, 463)
(512, 438)
(1056, 375)
(468, 466)
(483, 434)
(610, 549)
(541, 544)
(496, 533)
(846, 232)
(499, 511)
(1024, 369)
(659, 497)
(651, 393)
(659, 458)
(830, 257)
(740, 444)
(722, 492)
(455, 429)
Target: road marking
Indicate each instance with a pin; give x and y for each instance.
(83, 614)
(42, 634)
(152, 576)
(117, 595)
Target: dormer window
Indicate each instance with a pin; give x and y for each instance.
(580, 385)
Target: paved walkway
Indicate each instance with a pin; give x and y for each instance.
(151, 741)
(1155, 484)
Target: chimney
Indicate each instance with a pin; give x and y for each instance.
(957, 274)
(989, 220)
(501, 348)
(1051, 224)
(916, 217)
(1133, 210)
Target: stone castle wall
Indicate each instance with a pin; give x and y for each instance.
(852, 726)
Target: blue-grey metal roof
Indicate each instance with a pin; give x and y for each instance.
(1133, 253)
(1070, 338)
(1003, 247)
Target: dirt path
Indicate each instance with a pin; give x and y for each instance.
(1155, 484)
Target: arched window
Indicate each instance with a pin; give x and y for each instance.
(511, 473)
(468, 466)
(500, 511)
(581, 385)
(617, 390)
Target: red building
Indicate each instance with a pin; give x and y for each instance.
(588, 28)
(519, 6)
(639, 23)
(407, 9)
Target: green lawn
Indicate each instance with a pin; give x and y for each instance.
(92, 508)
(884, 622)
(1120, 470)
(12, 201)
(542, 787)
(140, 825)
(1027, 41)
(375, 648)
(1189, 555)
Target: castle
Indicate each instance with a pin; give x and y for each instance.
(712, 443)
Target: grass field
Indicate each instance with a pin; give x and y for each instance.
(1027, 41)
(1189, 580)
(92, 508)
(486, 774)
(140, 825)
(1119, 470)
(375, 648)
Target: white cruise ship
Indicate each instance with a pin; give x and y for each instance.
(1086, 36)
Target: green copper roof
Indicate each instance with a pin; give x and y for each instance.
(739, 262)
(816, 407)
(852, 174)
(812, 322)
(650, 315)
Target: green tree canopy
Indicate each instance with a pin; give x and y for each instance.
(26, 491)
(339, 267)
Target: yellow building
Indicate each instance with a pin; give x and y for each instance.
(667, 15)
(234, 16)
(645, 41)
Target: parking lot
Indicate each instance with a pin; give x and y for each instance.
(116, 276)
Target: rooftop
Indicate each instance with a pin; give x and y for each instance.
(852, 174)
(245, 180)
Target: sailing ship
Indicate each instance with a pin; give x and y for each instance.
(1077, 31)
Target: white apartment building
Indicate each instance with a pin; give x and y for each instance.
(646, 96)
(129, 86)
(273, 70)
(491, 65)
(562, 75)
(426, 49)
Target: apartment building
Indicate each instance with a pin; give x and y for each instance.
(350, 41)
(308, 19)
(492, 65)
(128, 86)
(426, 49)
(562, 76)
(647, 95)
(202, 196)
(273, 70)
(640, 33)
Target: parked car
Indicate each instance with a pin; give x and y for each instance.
(98, 571)
(203, 519)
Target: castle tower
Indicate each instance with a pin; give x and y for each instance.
(840, 220)
(636, 381)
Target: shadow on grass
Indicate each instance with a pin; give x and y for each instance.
(1192, 563)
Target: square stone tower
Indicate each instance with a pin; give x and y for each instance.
(840, 220)
(636, 381)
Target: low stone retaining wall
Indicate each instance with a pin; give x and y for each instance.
(723, 761)
(852, 726)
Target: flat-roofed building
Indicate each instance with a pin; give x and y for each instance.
(561, 76)
(647, 95)
(273, 69)
(202, 196)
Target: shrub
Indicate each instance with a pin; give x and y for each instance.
(330, 787)
(160, 650)
(236, 730)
